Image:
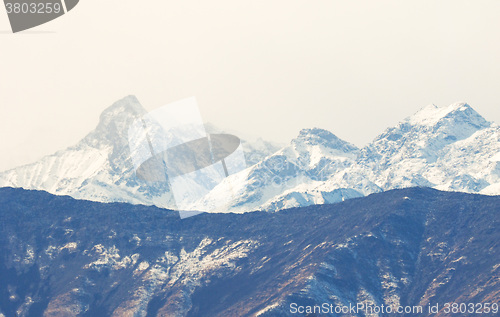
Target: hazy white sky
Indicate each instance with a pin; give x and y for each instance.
(265, 68)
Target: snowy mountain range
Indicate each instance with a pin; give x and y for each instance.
(451, 148)
(100, 168)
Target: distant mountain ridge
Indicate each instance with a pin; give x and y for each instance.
(100, 168)
(451, 148)
(411, 247)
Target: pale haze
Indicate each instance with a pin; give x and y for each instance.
(265, 68)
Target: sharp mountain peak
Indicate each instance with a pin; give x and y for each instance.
(115, 120)
(317, 136)
(432, 115)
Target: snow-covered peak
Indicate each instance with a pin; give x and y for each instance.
(432, 128)
(114, 122)
(432, 115)
(123, 111)
(412, 153)
(99, 167)
(123, 108)
(316, 136)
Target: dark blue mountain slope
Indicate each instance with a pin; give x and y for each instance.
(65, 257)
